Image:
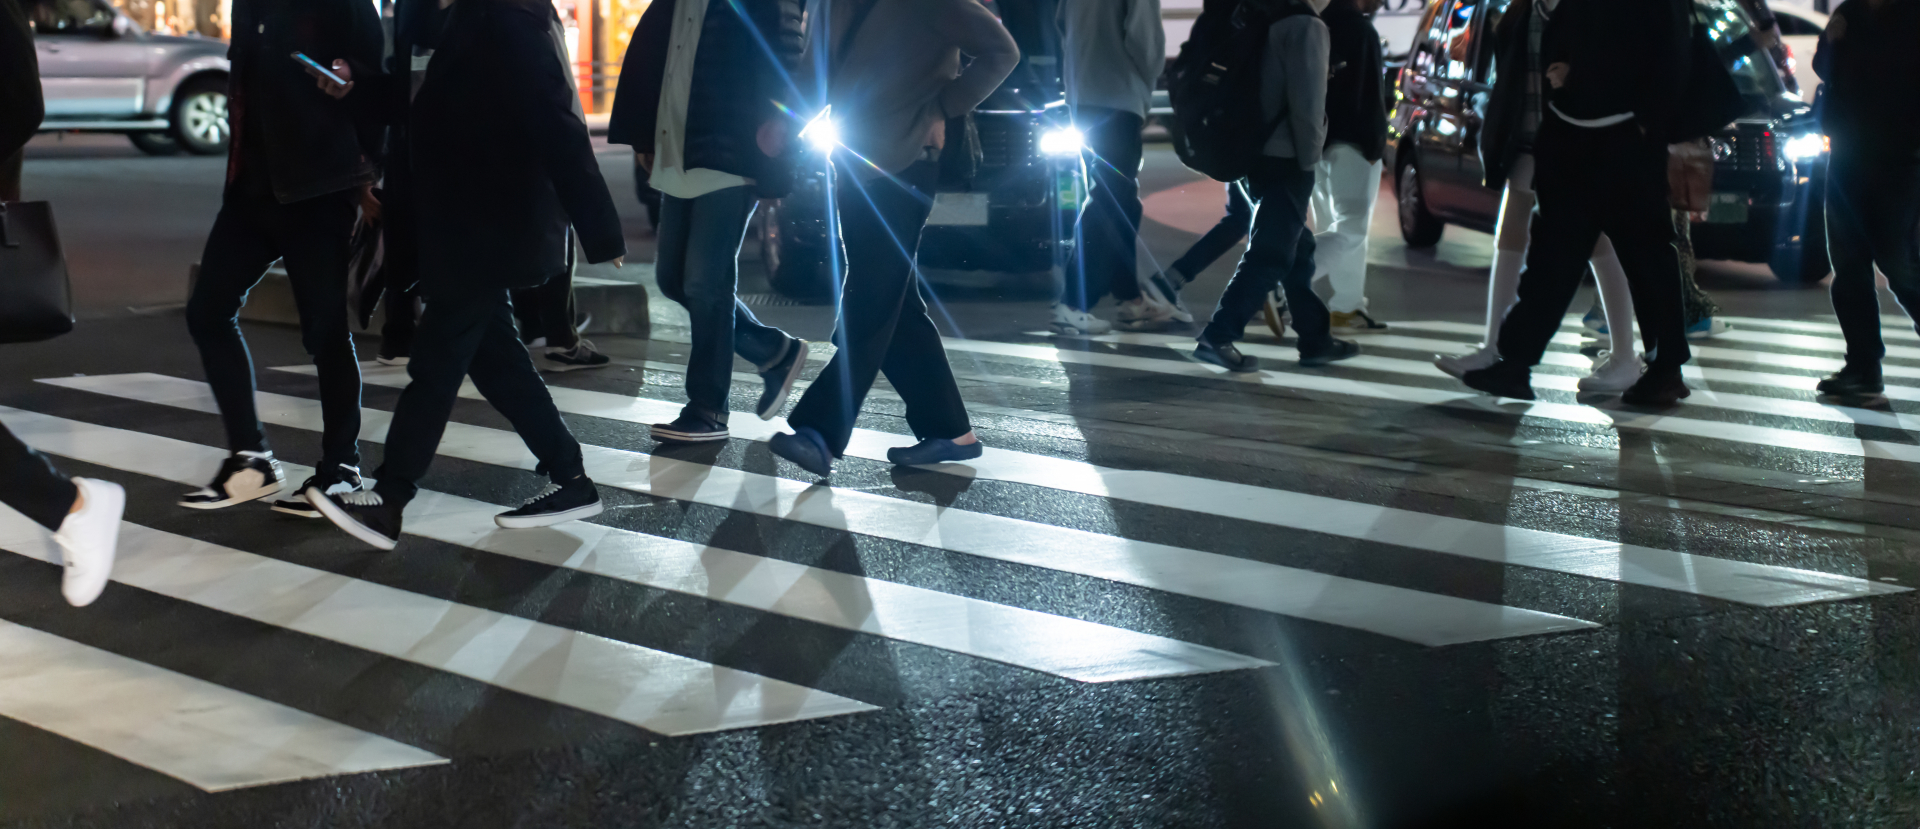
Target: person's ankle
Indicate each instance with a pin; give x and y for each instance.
(966, 439)
(80, 500)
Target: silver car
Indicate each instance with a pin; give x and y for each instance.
(101, 73)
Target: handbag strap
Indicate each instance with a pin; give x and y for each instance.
(6, 234)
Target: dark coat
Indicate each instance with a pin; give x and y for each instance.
(21, 108)
(314, 144)
(501, 159)
(1499, 143)
(743, 73)
(1625, 56)
(1356, 109)
(1871, 65)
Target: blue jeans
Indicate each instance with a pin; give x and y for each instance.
(1280, 254)
(698, 267)
(1228, 232)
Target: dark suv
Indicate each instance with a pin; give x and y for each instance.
(1769, 166)
(1009, 222)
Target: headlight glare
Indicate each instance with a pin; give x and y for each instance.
(1063, 141)
(1805, 146)
(821, 133)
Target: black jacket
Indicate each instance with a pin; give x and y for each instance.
(1356, 110)
(20, 106)
(1499, 143)
(501, 160)
(1624, 56)
(1870, 63)
(743, 72)
(313, 144)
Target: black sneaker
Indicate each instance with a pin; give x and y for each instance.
(1335, 352)
(576, 358)
(393, 354)
(557, 504)
(340, 479)
(1225, 355)
(692, 426)
(1659, 388)
(1853, 381)
(806, 448)
(1501, 380)
(780, 379)
(362, 513)
(243, 477)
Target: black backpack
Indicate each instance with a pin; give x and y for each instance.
(1218, 126)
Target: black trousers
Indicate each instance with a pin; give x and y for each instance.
(1280, 254)
(1108, 229)
(311, 236)
(547, 310)
(1228, 232)
(30, 484)
(1873, 207)
(468, 332)
(884, 325)
(1588, 182)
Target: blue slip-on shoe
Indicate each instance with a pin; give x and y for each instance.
(806, 448)
(934, 450)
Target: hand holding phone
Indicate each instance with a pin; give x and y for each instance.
(339, 84)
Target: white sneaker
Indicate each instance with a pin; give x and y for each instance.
(1613, 373)
(1069, 321)
(89, 538)
(1483, 357)
(1142, 313)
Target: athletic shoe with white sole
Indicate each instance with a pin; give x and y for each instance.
(582, 355)
(1164, 288)
(1456, 365)
(556, 504)
(88, 540)
(243, 477)
(1142, 313)
(1274, 311)
(691, 427)
(1613, 373)
(1070, 321)
(1354, 322)
(362, 513)
(779, 380)
(340, 479)
(1708, 327)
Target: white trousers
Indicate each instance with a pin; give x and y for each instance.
(1345, 187)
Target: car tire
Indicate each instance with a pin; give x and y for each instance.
(155, 142)
(1418, 226)
(199, 116)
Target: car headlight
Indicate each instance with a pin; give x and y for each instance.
(822, 133)
(1805, 146)
(1064, 141)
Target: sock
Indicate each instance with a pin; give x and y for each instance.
(1616, 301)
(1503, 290)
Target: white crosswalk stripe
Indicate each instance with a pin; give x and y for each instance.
(1558, 552)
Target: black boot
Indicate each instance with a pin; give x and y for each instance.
(1502, 379)
(1659, 388)
(1853, 380)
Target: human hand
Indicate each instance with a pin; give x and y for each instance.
(645, 160)
(369, 203)
(772, 137)
(333, 90)
(937, 137)
(619, 261)
(1557, 74)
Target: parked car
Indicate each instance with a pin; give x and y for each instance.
(1009, 223)
(100, 73)
(1769, 169)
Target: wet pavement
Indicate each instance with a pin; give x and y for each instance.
(1349, 597)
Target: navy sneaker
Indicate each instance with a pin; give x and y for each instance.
(692, 426)
(1225, 355)
(581, 356)
(334, 479)
(556, 504)
(1334, 352)
(362, 513)
(806, 448)
(934, 450)
(779, 380)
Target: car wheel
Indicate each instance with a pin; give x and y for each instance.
(156, 142)
(1418, 226)
(200, 117)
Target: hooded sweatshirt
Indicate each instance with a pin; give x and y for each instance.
(1115, 51)
(1293, 85)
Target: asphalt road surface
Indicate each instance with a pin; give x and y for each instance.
(1167, 597)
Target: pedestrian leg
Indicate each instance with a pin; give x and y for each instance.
(237, 254)
(314, 236)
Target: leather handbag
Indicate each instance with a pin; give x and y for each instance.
(36, 299)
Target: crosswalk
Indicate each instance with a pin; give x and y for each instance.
(1086, 535)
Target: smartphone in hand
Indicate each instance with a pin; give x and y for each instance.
(315, 65)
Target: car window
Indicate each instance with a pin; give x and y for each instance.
(1459, 39)
(1732, 34)
(1429, 58)
(69, 17)
(1792, 25)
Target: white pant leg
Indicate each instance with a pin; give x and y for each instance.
(1351, 185)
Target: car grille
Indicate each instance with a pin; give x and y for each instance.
(1746, 152)
(1004, 141)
